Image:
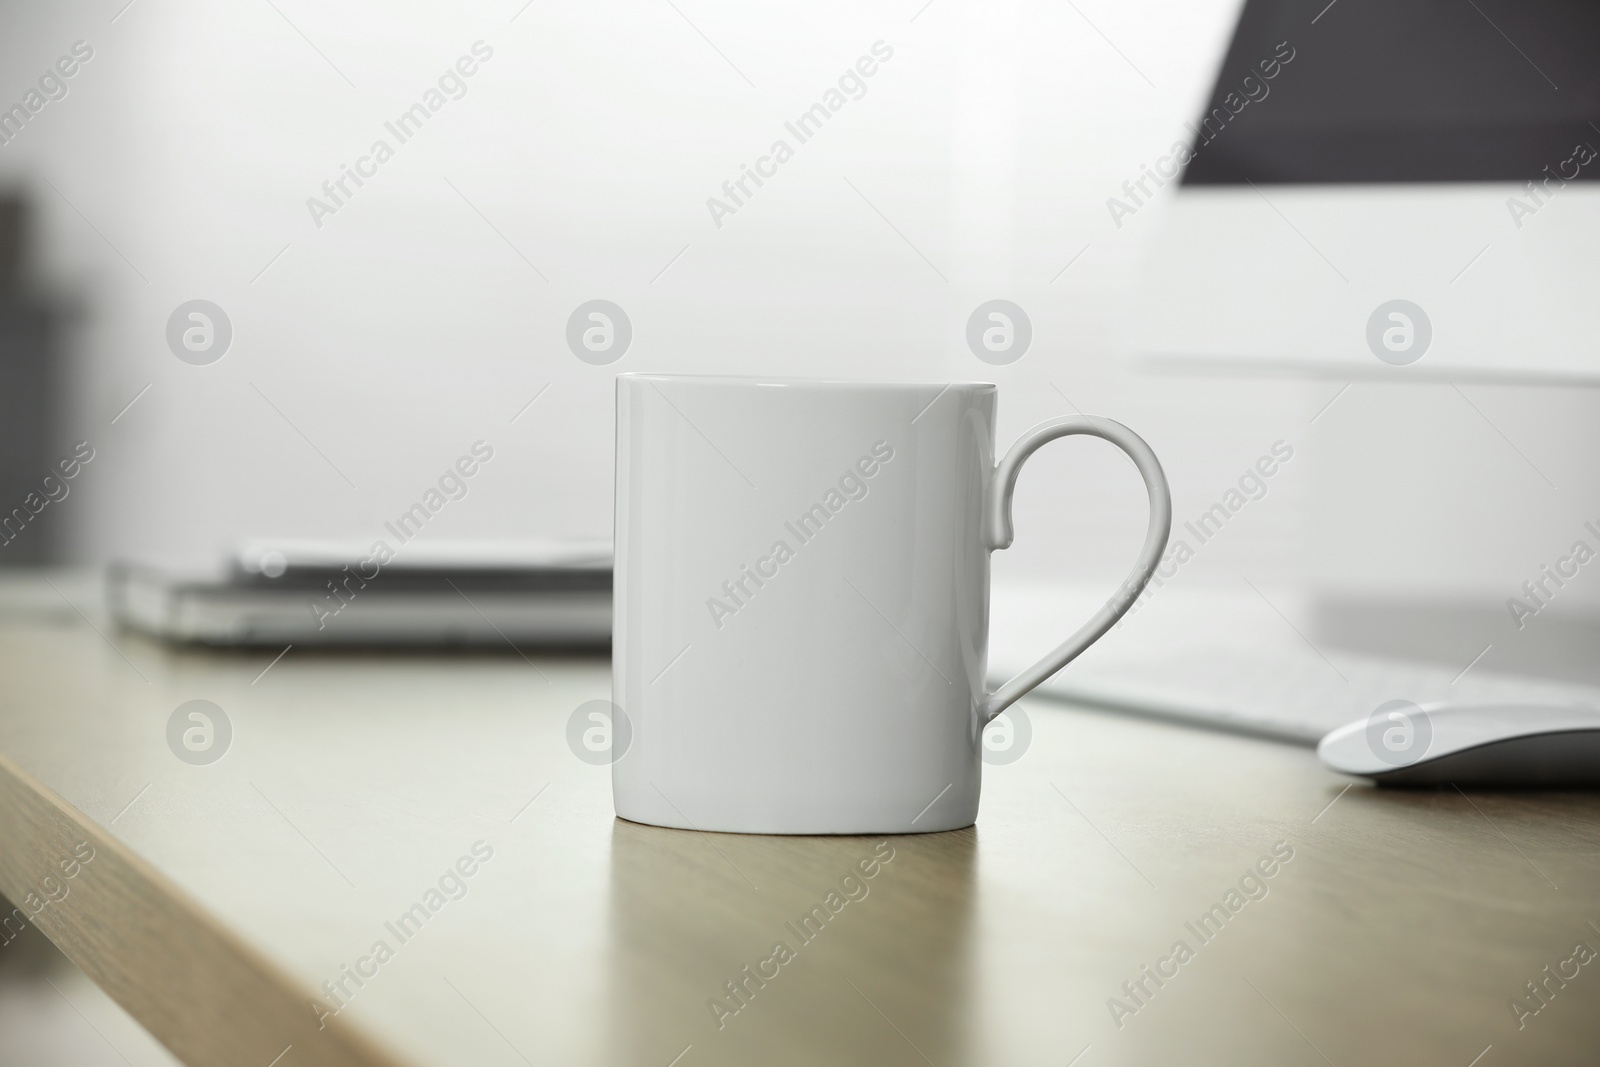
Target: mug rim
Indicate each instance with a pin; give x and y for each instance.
(792, 383)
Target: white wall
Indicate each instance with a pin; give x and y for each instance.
(406, 327)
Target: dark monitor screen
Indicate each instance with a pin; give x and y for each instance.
(1404, 91)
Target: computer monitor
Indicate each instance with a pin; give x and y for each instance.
(1386, 189)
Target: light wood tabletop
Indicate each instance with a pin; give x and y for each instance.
(411, 840)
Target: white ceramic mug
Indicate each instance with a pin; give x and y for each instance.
(802, 599)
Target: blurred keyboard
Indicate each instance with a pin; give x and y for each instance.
(1287, 697)
(1239, 662)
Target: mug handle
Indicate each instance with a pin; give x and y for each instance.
(1000, 535)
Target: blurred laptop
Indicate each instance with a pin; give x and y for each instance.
(489, 593)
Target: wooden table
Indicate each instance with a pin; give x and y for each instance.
(1394, 927)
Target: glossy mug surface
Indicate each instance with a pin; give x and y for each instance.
(802, 590)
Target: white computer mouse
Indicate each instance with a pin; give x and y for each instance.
(1507, 745)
